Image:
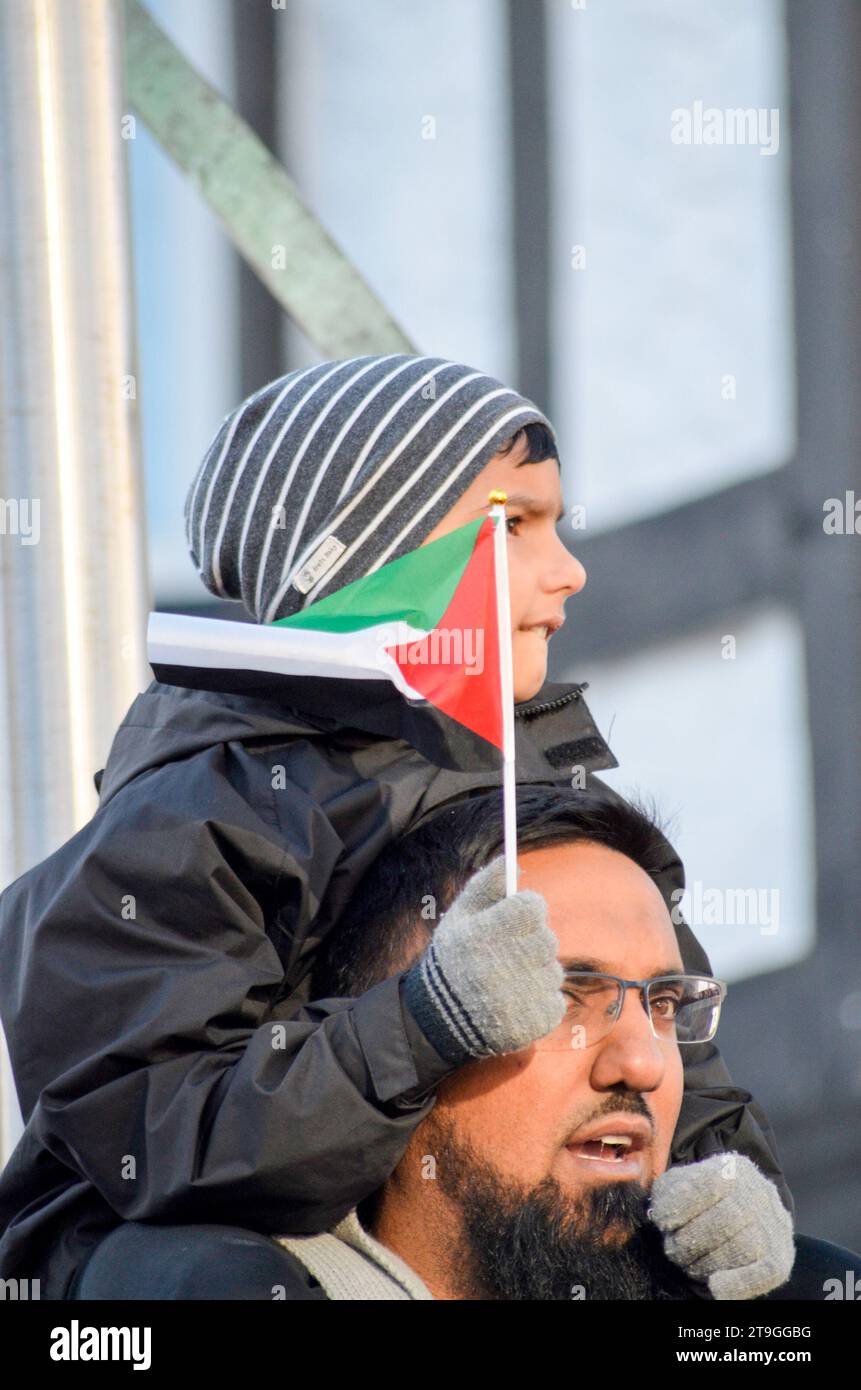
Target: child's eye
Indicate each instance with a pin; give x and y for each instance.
(512, 520)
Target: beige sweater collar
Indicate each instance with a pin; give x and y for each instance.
(349, 1263)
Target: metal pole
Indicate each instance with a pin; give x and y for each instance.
(73, 580)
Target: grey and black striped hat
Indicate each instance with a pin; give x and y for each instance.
(333, 470)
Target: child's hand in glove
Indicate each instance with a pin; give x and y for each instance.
(725, 1225)
(489, 982)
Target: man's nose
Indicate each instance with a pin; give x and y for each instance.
(630, 1052)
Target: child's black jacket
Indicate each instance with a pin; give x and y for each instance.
(148, 963)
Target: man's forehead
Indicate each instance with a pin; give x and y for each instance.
(604, 909)
(616, 967)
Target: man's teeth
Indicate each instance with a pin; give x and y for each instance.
(607, 1151)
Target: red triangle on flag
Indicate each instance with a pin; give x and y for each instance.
(470, 693)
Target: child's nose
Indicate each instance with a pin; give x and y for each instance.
(565, 570)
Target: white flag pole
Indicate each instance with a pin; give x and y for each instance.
(503, 615)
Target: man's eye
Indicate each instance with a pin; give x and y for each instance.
(512, 521)
(670, 1004)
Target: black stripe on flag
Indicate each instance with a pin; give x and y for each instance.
(370, 706)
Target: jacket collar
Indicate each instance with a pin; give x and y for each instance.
(560, 726)
(554, 731)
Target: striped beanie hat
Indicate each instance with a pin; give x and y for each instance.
(330, 471)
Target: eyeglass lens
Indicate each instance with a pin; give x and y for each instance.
(683, 1008)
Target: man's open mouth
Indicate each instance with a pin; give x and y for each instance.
(612, 1149)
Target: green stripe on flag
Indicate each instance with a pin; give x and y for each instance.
(417, 588)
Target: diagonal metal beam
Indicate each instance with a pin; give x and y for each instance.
(258, 204)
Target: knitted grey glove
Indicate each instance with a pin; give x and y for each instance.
(725, 1225)
(489, 982)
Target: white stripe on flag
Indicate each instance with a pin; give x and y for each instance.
(176, 639)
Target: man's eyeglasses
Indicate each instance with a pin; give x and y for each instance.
(682, 1009)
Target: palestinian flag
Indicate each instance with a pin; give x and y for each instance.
(410, 651)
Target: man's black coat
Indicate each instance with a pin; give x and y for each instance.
(168, 1063)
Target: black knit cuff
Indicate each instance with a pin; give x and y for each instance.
(425, 1010)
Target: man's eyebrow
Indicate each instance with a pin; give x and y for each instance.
(599, 967)
(529, 504)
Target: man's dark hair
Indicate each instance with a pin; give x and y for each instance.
(541, 443)
(383, 929)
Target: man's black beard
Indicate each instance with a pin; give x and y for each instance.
(542, 1243)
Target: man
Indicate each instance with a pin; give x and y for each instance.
(504, 1191)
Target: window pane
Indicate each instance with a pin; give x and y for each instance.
(673, 343)
(722, 744)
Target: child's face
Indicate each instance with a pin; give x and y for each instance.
(542, 572)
